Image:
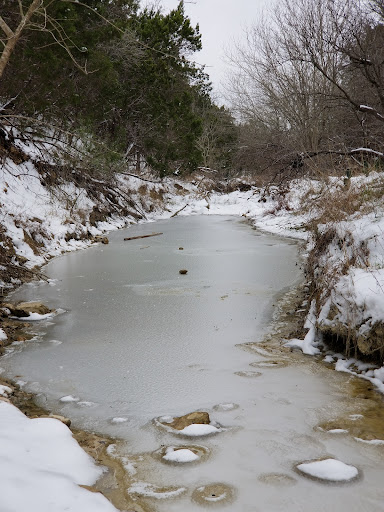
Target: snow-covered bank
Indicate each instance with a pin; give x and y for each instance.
(42, 467)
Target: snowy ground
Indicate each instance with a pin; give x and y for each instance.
(42, 466)
(40, 463)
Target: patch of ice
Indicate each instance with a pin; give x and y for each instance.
(84, 403)
(182, 455)
(355, 417)
(329, 469)
(226, 407)
(337, 431)
(55, 342)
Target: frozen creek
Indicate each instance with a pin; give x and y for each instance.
(138, 341)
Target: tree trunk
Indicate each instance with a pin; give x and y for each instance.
(14, 36)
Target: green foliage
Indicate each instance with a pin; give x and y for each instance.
(121, 74)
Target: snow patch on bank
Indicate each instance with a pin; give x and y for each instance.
(42, 466)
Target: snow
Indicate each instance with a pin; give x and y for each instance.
(152, 491)
(42, 466)
(355, 417)
(330, 469)
(308, 344)
(3, 336)
(375, 442)
(5, 390)
(69, 398)
(119, 420)
(181, 455)
(33, 317)
(197, 429)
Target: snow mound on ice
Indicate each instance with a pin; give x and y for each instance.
(197, 429)
(329, 469)
(183, 455)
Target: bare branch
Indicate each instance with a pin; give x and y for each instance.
(6, 29)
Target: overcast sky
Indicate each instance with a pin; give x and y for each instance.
(221, 21)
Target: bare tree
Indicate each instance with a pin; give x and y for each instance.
(286, 93)
(353, 31)
(310, 79)
(11, 36)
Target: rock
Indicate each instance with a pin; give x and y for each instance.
(23, 309)
(198, 417)
(4, 312)
(181, 248)
(63, 419)
(183, 271)
(102, 239)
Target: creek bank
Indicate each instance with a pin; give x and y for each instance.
(15, 318)
(113, 483)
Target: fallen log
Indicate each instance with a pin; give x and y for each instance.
(142, 236)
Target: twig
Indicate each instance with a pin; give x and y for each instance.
(142, 236)
(178, 211)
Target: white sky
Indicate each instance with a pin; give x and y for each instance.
(221, 22)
